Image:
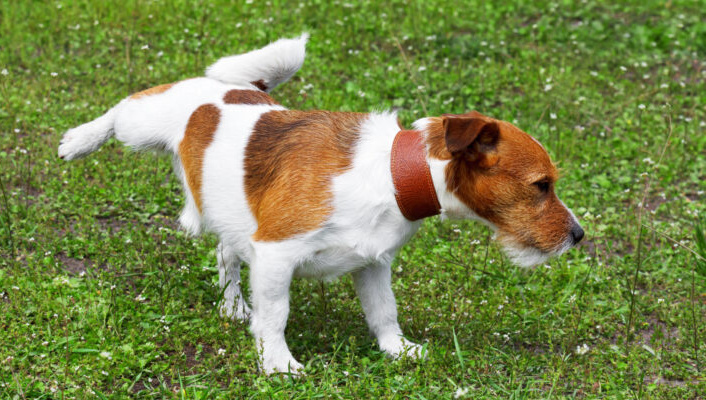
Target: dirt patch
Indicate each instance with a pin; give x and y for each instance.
(110, 223)
(73, 266)
(616, 249)
(190, 352)
(655, 325)
(652, 203)
(693, 196)
(658, 380)
(645, 332)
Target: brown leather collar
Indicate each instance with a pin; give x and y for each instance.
(414, 188)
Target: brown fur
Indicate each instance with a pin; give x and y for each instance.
(152, 91)
(495, 178)
(289, 163)
(239, 96)
(199, 133)
(260, 85)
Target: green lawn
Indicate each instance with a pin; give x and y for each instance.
(102, 296)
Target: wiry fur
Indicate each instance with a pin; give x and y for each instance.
(363, 228)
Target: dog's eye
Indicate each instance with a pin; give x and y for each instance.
(542, 185)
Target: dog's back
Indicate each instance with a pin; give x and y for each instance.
(182, 118)
(259, 70)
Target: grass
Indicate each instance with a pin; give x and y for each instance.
(102, 296)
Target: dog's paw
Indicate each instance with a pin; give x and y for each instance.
(398, 347)
(282, 365)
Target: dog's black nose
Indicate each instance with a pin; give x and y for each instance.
(577, 233)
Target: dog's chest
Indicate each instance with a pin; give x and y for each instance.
(331, 263)
(351, 249)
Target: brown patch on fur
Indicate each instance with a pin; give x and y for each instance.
(290, 160)
(260, 85)
(152, 91)
(199, 133)
(240, 96)
(495, 178)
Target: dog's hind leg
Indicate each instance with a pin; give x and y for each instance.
(234, 305)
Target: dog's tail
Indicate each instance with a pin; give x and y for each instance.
(265, 68)
(87, 138)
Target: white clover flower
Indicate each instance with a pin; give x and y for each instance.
(221, 352)
(548, 87)
(460, 392)
(4, 71)
(582, 349)
(421, 68)
(106, 354)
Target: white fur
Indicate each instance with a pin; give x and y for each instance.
(274, 64)
(87, 138)
(361, 236)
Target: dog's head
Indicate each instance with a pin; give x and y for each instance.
(496, 173)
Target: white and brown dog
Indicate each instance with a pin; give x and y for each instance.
(319, 194)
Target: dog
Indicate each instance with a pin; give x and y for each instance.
(320, 194)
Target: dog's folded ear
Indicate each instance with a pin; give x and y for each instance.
(472, 132)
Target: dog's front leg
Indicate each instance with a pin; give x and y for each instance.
(373, 285)
(270, 277)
